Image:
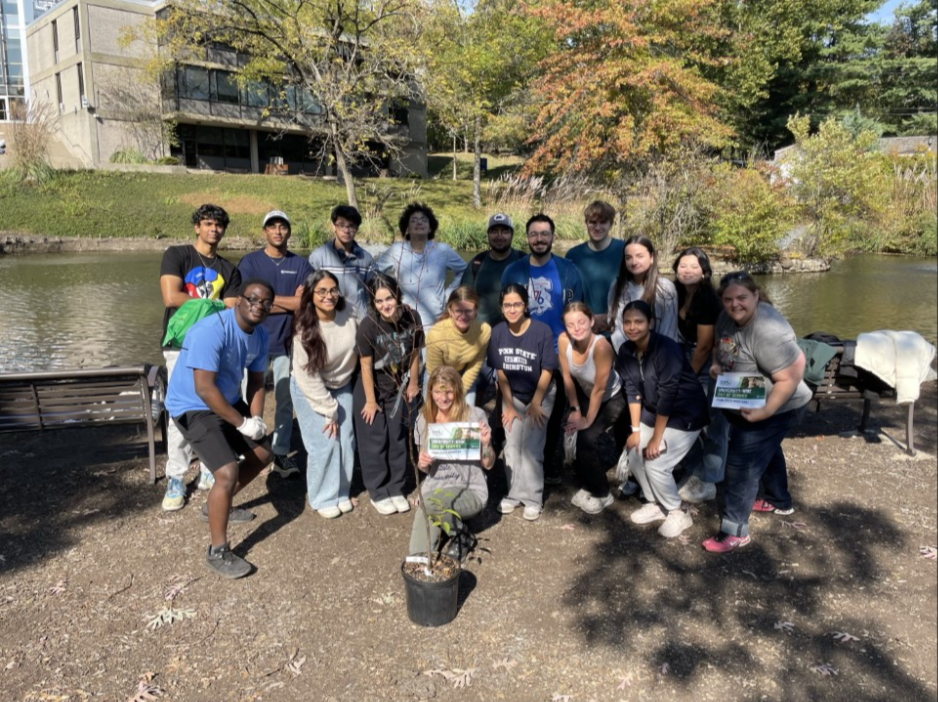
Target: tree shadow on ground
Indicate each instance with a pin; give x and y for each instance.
(48, 496)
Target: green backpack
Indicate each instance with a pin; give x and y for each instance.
(187, 315)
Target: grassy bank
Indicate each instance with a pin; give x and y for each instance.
(101, 204)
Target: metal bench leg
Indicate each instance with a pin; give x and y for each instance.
(866, 415)
(909, 431)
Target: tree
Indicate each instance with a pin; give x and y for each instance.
(481, 56)
(352, 58)
(909, 88)
(623, 83)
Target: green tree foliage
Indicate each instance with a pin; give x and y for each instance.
(907, 95)
(479, 58)
(350, 57)
(750, 214)
(837, 183)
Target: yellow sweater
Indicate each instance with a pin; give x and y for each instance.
(447, 346)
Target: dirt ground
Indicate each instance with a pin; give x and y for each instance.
(836, 602)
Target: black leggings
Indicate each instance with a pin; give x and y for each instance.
(590, 468)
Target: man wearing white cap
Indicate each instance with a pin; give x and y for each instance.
(286, 272)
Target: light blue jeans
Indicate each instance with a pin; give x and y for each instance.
(330, 462)
(279, 371)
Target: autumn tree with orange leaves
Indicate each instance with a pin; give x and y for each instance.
(625, 83)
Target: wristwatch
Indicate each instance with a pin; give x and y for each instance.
(575, 408)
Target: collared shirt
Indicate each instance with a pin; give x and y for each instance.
(354, 270)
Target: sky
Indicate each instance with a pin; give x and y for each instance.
(884, 14)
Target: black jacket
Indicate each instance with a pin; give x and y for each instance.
(663, 383)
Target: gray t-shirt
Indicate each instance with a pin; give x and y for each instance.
(766, 345)
(460, 474)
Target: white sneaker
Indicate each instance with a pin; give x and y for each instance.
(401, 503)
(696, 490)
(677, 521)
(531, 513)
(206, 479)
(647, 513)
(329, 512)
(595, 505)
(506, 506)
(579, 497)
(385, 506)
(345, 505)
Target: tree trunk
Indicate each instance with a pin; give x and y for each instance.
(455, 146)
(345, 176)
(477, 164)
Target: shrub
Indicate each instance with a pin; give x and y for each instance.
(167, 161)
(128, 156)
(748, 213)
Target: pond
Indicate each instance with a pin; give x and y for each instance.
(96, 309)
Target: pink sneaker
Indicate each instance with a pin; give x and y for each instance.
(766, 506)
(724, 543)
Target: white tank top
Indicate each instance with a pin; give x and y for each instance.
(585, 374)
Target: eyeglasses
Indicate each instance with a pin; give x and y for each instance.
(323, 294)
(512, 305)
(462, 313)
(346, 227)
(260, 302)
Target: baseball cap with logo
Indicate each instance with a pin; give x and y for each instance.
(275, 214)
(500, 220)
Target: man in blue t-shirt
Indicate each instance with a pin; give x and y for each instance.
(205, 403)
(598, 259)
(552, 282)
(286, 272)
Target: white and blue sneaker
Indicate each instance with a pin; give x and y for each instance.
(206, 479)
(175, 497)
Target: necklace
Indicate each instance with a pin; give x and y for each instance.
(204, 264)
(276, 260)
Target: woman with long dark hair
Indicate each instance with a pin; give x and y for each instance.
(638, 279)
(753, 338)
(324, 362)
(522, 353)
(389, 343)
(667, 408)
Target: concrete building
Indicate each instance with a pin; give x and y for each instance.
(83, 68)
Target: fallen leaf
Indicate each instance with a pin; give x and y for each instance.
(665, 668)
(568, 527)
(145, 692)
(296, 666)
(929, 552)
(787, 627)
(825, 669)
(58, 588)
(463, 677)
(624, 682)
(844, 637)
(168, 616)
(505, 663)
(794, 525)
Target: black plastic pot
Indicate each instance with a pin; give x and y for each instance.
(431, 603)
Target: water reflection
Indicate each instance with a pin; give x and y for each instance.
(97, 309)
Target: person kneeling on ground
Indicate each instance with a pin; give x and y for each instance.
(454, 490)
(668, 409)
(204, 400)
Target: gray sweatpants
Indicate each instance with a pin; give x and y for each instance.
(657, 477)
(524, 453)
(461, 500)
(178, 451)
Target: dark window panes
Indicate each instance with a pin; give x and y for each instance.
(211, 135)
(3, 110)
(255, 94)
(237, 144)
(307, 103)
(196, 83)
(226, 87)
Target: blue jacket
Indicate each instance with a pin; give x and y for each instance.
(520, 272)
(663, 383)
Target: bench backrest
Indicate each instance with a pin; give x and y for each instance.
(64, 399)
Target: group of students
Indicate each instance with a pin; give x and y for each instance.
(595, 342)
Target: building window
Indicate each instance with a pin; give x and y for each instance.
(255, 94)
(55, 39)
(3, 110)
(225, 87)
(58, 91)
(194, 83)
(77, 30)
(81, 80)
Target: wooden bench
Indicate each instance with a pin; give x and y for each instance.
(72, 399)
(837, 387)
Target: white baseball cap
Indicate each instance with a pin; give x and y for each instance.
(275, 214)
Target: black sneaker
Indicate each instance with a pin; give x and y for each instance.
(235, 516)
(285, 466)
(461, 545)
(227, 564)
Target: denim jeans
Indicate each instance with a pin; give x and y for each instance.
(707, 458)
(330, 461)
(755, 456)
(279, 371)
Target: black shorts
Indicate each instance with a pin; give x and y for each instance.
(216, 442)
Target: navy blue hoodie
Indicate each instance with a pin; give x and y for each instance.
(663, 383)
